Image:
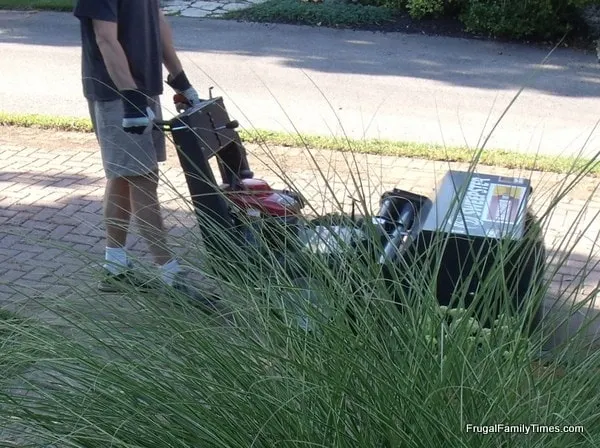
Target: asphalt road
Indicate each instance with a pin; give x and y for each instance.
(406, 87)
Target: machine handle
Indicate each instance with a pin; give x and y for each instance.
(166, 125)
(231, 125)
(162, 125)
(181, 103)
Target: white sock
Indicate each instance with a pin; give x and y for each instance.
(116, 259)
(168, 271)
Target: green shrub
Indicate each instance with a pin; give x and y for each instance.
(498, 18)
(521, 18)
(419, 9)
(392, 4)
(514, 18)
(396, 4)
(331, 13)
(43, 5)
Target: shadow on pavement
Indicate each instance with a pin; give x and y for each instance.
(61, 180)
(461, 62)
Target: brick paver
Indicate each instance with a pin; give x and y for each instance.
(51, 186)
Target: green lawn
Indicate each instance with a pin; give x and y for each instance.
(491, 157)
(51, 5)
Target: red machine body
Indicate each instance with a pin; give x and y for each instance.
(257, 194)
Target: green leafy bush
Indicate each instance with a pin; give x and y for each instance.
(514, 18)
(521, 18)
(419, 9)
(392, 4)
(43, 5)
(498, 18)
(331, 13)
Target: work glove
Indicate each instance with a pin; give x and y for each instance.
(181, 85)
(137, 115)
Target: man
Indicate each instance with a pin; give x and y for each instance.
(124, 46)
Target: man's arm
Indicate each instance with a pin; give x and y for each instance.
(177, 78)
(113, 54)
(170, 59)
(135, 103)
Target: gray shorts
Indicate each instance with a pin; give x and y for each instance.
(125, 154)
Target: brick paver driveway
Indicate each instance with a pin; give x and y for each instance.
(51, 186)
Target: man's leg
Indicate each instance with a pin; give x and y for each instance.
(117, 215)
(145, 206)
(117, 203)
(117, 211)
(125, 157)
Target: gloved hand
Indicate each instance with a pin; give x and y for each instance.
(137, 115)
(182, 86)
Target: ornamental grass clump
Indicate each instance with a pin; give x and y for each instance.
(301, 354)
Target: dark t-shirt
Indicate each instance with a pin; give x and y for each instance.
(139, 35)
